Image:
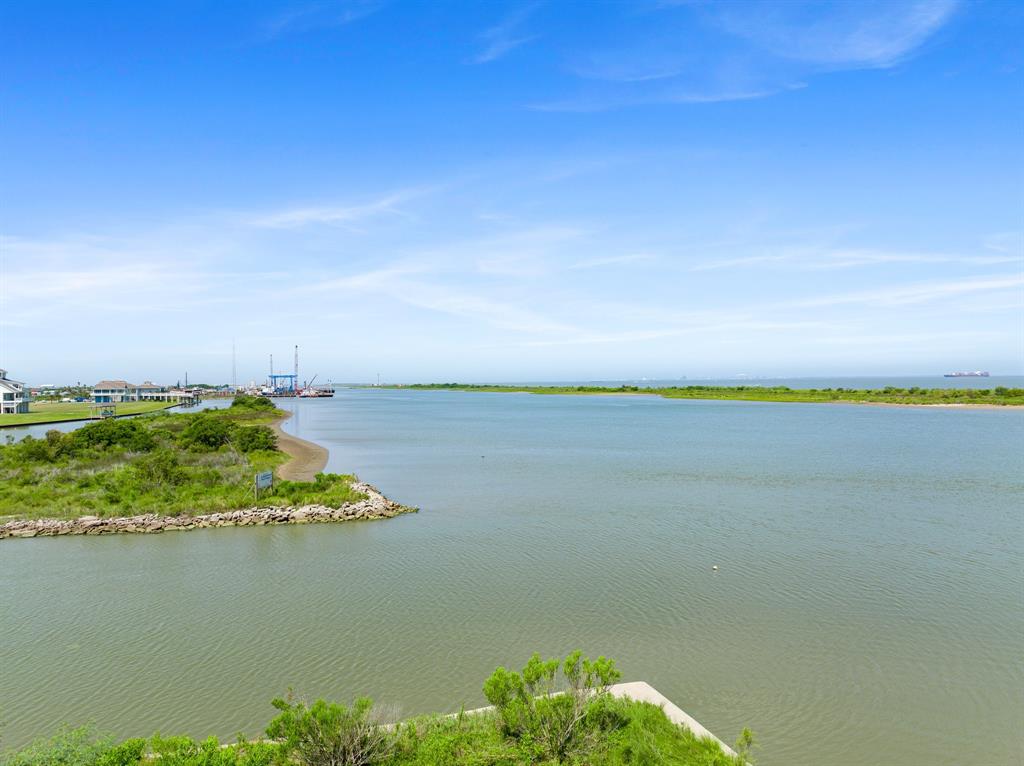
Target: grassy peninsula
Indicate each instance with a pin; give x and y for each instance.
(56, 412)
(999, 396)
(167, 464)
(554, 713)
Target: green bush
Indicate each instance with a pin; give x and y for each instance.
(77, 747)
(129, 434)
(205, 433)
(329, 734)
(244, 401)
(184, 751)
(160, 467)
(554, 719)
(255, 438)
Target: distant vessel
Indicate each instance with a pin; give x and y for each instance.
(975, 374)
(317, 392)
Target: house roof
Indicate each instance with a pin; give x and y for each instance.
(12, 385)
(112, 384)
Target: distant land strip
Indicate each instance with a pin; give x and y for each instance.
(999, 396)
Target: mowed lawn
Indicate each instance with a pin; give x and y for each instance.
(50, 412)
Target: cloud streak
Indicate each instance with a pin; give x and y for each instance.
(812, 259)
(505, 37)
(336, 215)
(320, 15)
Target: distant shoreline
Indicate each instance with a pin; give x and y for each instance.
(942, 398)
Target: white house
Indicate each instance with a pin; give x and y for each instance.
(107, 391)
(14, 397)
(115, 391)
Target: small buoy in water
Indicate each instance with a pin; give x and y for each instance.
(714, 568)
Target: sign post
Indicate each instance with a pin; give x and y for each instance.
(264, 480)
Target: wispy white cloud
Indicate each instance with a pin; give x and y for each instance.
(608, 101)
(610, 260)
(922, 292)
(876, 34)
(706, 53)
(505, 37)
(1009, 242)
(813, 259)
(336, 215)
(318, 15)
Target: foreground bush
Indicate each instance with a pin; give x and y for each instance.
(78, 747)
(554, 712)
(552, 718)
(328, 734)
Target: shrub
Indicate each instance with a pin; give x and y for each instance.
(246, 402)
(77, 747)
(31, 450)
(555, 726)
(255, 438)
(112, 432)
(184, 751)
(160, 467)
(205, 433)
(328, 734)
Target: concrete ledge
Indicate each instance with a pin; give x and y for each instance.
(641, 691)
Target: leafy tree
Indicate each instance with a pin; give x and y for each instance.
(329, 734)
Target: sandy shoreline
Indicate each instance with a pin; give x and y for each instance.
(307, 459)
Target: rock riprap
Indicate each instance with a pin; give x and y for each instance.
(375, 506)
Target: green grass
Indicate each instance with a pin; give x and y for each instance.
(52, 412)
(168, 464)
(999, 396)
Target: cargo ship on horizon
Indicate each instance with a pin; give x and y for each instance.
(975, 374)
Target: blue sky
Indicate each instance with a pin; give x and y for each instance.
(511, 191)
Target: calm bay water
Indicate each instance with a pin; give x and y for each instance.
(868, 608)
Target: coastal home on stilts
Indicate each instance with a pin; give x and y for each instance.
(14, 396)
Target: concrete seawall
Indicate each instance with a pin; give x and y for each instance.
(375, 506)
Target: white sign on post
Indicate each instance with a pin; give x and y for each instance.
(264, 480)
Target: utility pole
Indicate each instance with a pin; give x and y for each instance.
(295, 380)
(234, 369)
(270, 378)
